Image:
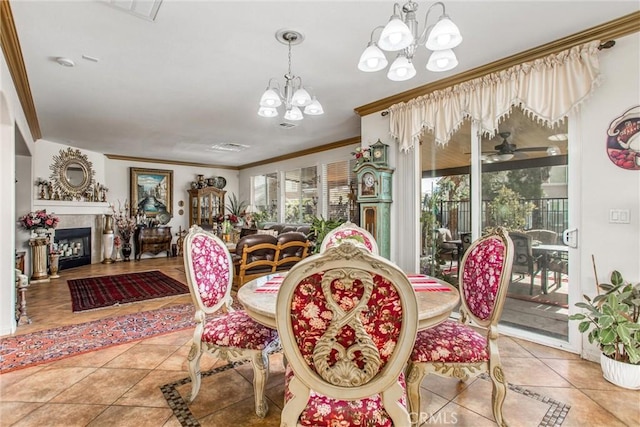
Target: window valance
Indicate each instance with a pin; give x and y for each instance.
(547, 89)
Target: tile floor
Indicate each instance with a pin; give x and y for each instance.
(120, 386)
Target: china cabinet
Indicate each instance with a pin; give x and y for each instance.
(205, 206)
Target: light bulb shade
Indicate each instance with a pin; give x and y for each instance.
(270, 99)
(553, 150)
(267, 112)
(444, 35)
(442, 60)
(372, 59)
(314, 109)
(401, 69)
(294, 114)
(301, 97)
(395, 35)
(505, 156)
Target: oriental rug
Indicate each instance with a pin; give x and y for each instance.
(27, 350)
(107, 291)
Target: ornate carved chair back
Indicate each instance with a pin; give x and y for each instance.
(350, 231)
(348, 319)
(209, 270)
(454, 349)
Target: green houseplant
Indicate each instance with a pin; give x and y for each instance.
(320, 227)
(611, 321)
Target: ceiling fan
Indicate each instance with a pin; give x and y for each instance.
(507, 151)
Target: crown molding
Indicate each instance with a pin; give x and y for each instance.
(15, 63)
(622, 26)
(167, 162)
(326, 147)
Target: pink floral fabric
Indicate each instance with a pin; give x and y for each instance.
(326, 411)
(481, 276)
(450, 342)
(237, 329)
(211, 269)
(310, 315)
(349, 234)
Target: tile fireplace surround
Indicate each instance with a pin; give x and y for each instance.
(78, 215)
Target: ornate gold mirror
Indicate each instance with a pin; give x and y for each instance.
(72, 174)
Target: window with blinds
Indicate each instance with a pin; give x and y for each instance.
(265, 196)
(341, 191)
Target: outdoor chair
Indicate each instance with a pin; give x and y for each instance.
(350, 231)
(445, 248)
(220, 330)
(348, 321)
(454, 348)
(524, 260)
(545, 237)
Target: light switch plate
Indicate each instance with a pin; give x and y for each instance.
(619, 216)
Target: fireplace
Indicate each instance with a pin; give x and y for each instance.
(74, 245)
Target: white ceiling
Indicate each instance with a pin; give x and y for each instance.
(169, 89)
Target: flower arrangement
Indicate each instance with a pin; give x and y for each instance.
(126, 224)
(362, 154)
(232, 218)
(117, 241)
(39, 219)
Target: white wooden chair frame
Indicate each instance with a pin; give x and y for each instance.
(347, 261)
(259, 358)
(328, 239)
(463, 371)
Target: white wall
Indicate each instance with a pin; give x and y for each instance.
(605, 186)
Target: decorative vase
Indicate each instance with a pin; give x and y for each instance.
(53, 265)
(107, 239)
(41, 232)
(621, 374)
(126, 251)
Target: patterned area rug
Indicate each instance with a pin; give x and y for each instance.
(54, 344)
(107, 291)
(554, 417)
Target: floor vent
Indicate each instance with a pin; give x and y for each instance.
(287, 125)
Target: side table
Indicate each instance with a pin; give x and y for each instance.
(152, 239)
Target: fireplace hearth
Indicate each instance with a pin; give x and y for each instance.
(74, 245)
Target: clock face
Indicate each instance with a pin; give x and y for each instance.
(377, 154)
(369, 179)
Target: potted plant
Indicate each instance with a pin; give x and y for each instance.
(611, 320)
(320, 227)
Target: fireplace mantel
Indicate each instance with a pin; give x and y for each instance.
(62, 207)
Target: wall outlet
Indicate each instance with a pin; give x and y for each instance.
(619, 216)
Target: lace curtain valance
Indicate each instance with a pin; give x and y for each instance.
(547, 89)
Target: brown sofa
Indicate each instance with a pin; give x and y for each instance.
(260, 254)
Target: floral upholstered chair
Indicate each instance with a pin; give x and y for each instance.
(347, 320)
(454, 349)
(220, 330)
(350, 231)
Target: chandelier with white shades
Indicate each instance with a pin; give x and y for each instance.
(294, 96)
(401, 34)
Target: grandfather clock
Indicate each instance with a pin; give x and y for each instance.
(374, 196)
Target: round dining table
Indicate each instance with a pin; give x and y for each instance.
(436, 301)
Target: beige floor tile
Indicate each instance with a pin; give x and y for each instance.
(11, 412)
(147, 391)
(508, 347)
(61, 415)
(456, 415)
(430, 403)
(94, 359)
(530, 371)
(143, 356)
(173, 338)
(583, 412)
(447, 388)
(102, 387)
(217, 392)
(542, 351)
(517, 409)
(18, 375)
(629, 414)
(47, 384)
(242, 413)
(580, 373)
(131, 416)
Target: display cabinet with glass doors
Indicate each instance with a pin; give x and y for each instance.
(206, 205)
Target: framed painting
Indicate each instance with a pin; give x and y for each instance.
(151, 191)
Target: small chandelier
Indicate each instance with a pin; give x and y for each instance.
(294, 96)
(401, 35)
